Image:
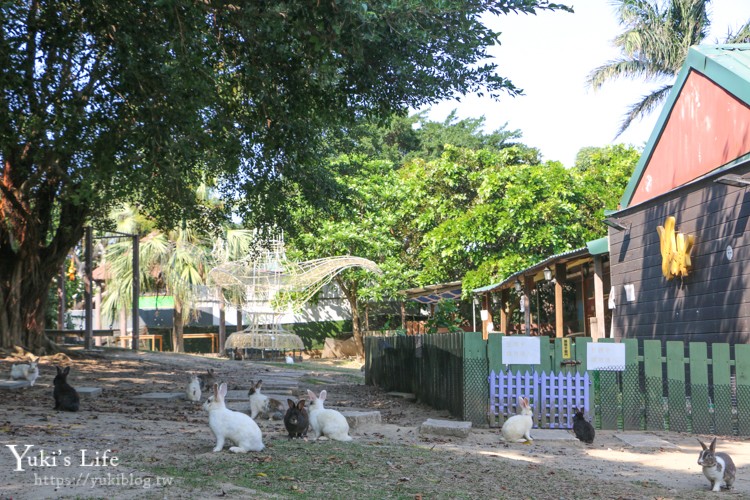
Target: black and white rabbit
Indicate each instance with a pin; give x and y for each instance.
(296, 419)
(66, 397)
(207, 380)
(583, 429)
(717, 466)
(261, 406)
(258, 402)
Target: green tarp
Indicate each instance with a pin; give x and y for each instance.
(156, 302)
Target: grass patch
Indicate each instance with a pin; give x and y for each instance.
(378, 469)
(297, 468)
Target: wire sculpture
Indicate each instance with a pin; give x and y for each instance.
(265, 285)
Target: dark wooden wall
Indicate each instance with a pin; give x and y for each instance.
(712, 304)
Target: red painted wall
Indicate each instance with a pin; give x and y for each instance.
(706, 129)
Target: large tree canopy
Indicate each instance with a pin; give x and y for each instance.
(475, 215)
(135, 101)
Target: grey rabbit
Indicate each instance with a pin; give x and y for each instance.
(583, 429)
(717, 466)
(66, 397)
(296, 419)
(207, 380)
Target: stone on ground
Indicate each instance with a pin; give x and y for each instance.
(161, 395)
(13, 385)
(360, 419)
(445, 428)
(89, 391)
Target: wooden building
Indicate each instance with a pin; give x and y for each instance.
(689, 280)
(585, 271)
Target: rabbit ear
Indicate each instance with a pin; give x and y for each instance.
(301, 404)
(311, 395)
(67, 370)
(713, 446)
(290, 403)
(59, 371)
(260, 383)
(223, 389)
(703, 445)
(323, 395)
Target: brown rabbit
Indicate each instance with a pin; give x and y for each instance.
(207, 380)
(717, 467)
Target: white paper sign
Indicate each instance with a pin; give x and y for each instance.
(605, 357)
(521, 351)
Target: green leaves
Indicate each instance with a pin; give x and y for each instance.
(654, 46)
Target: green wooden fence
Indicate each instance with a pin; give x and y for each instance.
(697, 387)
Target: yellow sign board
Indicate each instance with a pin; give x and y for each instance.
(675, 250)
(566, 348)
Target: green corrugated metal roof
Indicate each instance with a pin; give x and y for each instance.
(432, 294)
(598, 247)
(536, 267)
(726, 65)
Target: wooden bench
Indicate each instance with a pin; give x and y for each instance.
(213, 336)
(127, 340)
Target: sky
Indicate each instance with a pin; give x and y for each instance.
(549, 55)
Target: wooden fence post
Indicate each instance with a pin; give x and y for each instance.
(722, 389)
(742, 374)
(678, 418)
(702, 419)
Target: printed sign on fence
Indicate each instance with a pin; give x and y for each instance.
(521, 351)
(605, 357)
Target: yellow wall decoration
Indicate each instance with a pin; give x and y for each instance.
(675, 250)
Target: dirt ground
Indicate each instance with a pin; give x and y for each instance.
(101, 450)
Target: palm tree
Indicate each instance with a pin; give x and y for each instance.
(654, 46)
(177, 260)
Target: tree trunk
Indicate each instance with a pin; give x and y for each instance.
(36, 234)
(25, 281)
(403, 315)
(351, 293)
(367, 317)
(178, 342)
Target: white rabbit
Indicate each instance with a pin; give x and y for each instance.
(193, 389)
(233, 425)
(258, 401)
(328, 423)
(25, 371)
(518, 427)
